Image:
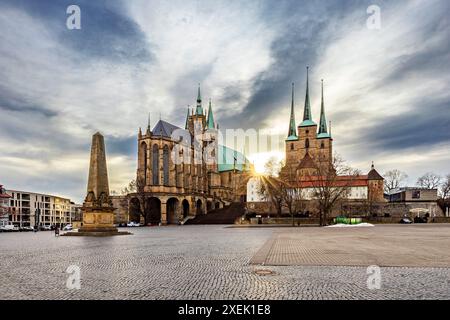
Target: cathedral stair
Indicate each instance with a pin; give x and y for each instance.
(226, 215)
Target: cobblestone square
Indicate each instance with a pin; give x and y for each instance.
(219, 262)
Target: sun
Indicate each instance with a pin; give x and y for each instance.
(260, 159)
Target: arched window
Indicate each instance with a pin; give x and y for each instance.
(292, 146)
(166, 165)
(144, 160)
(155, 168)
(307, 143)
(322, 145)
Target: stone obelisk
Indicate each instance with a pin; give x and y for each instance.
(98, 211)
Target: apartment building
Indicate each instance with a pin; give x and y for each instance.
(4, 206)
(30, 209)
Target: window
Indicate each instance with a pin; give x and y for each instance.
(155, 168)
(166, 165)
(292, 146)
(307, 131)
(416, 194)
(322, 145)
(307, 143)
(144, 165)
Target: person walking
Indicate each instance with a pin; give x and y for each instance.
(56, 231)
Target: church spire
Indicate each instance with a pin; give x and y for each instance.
(186, 126)
(307, 117)
(199, 109)
(292, 134)
(148, 124)
(323, 119)
(210, 119)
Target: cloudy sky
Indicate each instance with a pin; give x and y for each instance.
(386, 90)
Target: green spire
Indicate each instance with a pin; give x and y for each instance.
(323, 120)
(199, 109)
(210, 119)
(307, 118)
(186, 126)
(292, 135)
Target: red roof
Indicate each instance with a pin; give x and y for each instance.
(340, 181)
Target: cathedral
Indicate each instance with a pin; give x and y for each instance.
(184, 172)
(308, 155)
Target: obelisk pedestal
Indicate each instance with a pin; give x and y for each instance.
(98, 211)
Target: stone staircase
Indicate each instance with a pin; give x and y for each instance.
(226, 215)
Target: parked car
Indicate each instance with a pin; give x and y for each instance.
(406, 220)
(68, 227)
(27, 229)
(420, 220)
(9, 227)
(46, 228)
(133, 224)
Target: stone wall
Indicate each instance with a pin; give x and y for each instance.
(120, 204)
(354, 208)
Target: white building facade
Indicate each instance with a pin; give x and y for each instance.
(30, 209)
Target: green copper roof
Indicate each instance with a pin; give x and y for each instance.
(323, 135)
(210, 119)
(292, 138)
(199, 109)
(323, 120)
(229, 159)
(307, 123)
(307, 110)
(292, 128)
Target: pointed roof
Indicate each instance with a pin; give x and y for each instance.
(164, 129)
(373, 174)
(307, 116)
(307, 162)
(292, 134)
(186, 126)
(199, 109)
(210, 119)
(148, 124)
(323, 130)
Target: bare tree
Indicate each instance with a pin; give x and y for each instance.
(273, 167)
(393, 179)
(331, 184)
(292, 199)
(429, 180)
(445, 188)
(136, 189)
(270, 188)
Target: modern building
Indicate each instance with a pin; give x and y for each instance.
(30, 209)
(4, 206)
(185, 172)
(420, 201)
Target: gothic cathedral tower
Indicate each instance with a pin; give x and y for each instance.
(308, 145)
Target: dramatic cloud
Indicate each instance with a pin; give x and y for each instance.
(386, 90)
